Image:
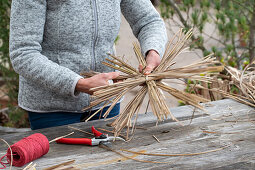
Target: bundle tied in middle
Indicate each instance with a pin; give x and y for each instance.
(152, 84)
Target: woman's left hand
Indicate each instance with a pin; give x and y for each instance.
(152, 60)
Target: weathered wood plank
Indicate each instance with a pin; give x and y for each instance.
(229, 123)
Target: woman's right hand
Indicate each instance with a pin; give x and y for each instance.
(85, 84)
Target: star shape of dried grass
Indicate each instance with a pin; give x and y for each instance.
(153, 84)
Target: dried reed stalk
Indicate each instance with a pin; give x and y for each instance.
(221, 86)
(153, 84)
(244, 81)
(177, 154)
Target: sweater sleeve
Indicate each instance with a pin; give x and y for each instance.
(26, 35)
(146, 24)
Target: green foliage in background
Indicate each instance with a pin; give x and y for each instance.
(8, 76)
(232, 25)
(225, 28)
(7, 73)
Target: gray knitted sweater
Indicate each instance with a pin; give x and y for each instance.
(52, 41)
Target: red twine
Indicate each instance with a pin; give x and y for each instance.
(27, 150)
(3, 163)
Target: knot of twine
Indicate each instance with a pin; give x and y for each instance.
(27, 150)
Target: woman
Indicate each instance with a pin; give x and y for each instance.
(52, 41)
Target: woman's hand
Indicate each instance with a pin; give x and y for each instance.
(84, 85)
(152, 60)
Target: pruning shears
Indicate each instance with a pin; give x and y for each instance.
(100, 138)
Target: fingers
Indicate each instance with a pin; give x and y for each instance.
(152, 60)
(140, 68)
(148, 70)
(86, 84)
(108, 77)
(112, 75)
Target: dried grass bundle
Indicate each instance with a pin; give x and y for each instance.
(225, 85)
(244, 81)
(153, 84)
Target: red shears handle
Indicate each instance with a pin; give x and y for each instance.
(95, 132)
(78, 141)
(83, 141)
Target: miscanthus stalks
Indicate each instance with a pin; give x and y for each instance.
(152, 84)
(244, 81)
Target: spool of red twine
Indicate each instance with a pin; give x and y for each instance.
(28, 149)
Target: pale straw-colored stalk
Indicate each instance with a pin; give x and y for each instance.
(244, 81)
(152, 84)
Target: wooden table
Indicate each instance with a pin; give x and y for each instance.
(229, 124)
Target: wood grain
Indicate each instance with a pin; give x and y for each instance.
(232, 122)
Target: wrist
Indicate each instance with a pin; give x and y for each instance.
(83, 85)
(152, 52)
